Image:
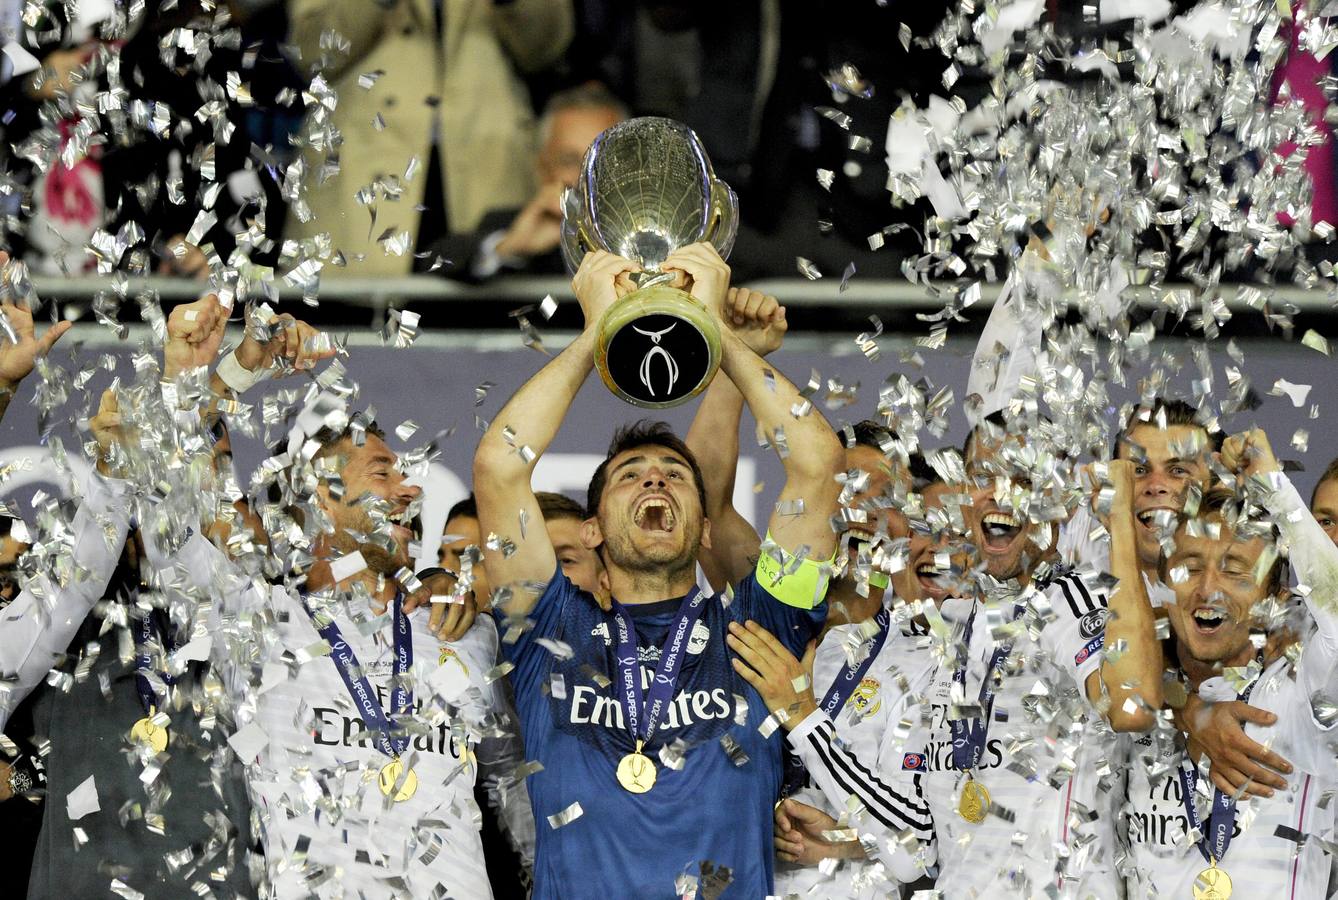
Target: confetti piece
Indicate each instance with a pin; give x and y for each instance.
(83, 800)
(566, 817)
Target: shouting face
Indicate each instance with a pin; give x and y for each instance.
(1167, 461)
(929, 573)
(998, 529)
(1217, 584)
(650, 516)
(375, 513)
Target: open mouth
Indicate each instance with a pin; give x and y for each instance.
(1209, 619)
(654, 514)
(1157, 518)
(931, 579)
(1000, 530)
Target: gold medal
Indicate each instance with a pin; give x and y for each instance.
(1212, 884)
(974, 803)
(390, 775)
(636, 773)
(149, 734)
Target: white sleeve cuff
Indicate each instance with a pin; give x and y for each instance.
(799, 734)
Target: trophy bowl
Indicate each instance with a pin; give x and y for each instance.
(646, 189)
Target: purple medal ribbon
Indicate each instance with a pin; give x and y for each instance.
(1222, 817)
(666, 674)
(968, 736)
(144, 631)
(360, 689)
(837, 695)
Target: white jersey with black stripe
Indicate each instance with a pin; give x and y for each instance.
(855, 763)
(1046, 758)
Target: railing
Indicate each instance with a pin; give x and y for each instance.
(378, 294)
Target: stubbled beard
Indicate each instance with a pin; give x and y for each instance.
(375, 555)
(621, 552)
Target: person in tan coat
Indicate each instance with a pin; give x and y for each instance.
(397, 81)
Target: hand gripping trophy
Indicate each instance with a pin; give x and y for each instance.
(646, 189)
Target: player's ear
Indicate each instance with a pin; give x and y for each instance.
(591, 535)
(706, 534)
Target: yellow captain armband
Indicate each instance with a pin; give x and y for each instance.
(795, 581)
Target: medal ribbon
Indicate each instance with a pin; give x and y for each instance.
(144, 631)
(666, 674)
(795, 775)
(1222, 817)
(360, 689)
(968, 736)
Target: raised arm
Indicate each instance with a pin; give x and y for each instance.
(1130, 674)
(37, 627)
(809, 449)
(714, 440)
(523, 560)
(20, 346)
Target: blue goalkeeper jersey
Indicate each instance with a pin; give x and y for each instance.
(710, 816)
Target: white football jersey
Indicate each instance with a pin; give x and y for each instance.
(328, 829)
(855, 763)
(1046, 761)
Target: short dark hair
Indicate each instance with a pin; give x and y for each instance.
(559, 506)
(922, 473)
(467, 507)
(995, 421)
(869, 433)
(1168, 411)
(642, 433)
(1330, 473)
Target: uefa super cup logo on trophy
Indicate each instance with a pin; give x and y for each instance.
(646, 189)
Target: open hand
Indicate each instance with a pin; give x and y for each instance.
(1238, 762)
(785, 683)
(449, 621)
(20, 349)
(291, 346)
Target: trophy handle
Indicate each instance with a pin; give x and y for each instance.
(723, 217)
(657, 347)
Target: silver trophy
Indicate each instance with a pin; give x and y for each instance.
(646, 189)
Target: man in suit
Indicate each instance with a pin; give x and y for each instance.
(524, 240)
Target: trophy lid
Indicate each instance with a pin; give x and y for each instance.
(646, 189)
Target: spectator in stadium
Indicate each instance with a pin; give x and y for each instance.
(524, 239)
(125, 141)
(432, 126)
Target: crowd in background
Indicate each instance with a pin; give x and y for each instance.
(165, 137)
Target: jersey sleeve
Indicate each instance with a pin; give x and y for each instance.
(892, 802)
(523, 649)
(1314, 560)
(37, 627)
(1075, 638)
(793, 626)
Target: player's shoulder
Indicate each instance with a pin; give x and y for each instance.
(1078, 596)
